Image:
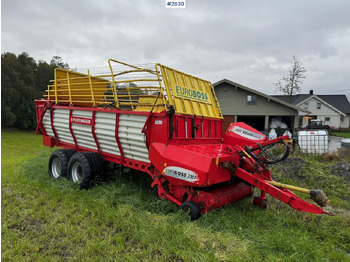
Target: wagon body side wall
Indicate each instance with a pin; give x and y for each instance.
(117, 134)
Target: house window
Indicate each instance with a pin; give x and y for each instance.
(327, 119)
(306, 105)
(318, 105)
(251, 100)
(341, 118)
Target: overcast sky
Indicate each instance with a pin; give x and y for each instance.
(249, 42)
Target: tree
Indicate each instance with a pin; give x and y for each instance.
(290, 84)
(45, 73)
(10, 88)
(56, 61)
(23, 80)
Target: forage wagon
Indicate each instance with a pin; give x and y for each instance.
(167, 124)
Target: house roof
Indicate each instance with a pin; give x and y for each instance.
(322, 101)
(340, 102)
(296, 99)
(279, 101)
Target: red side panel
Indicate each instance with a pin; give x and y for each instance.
(241, 134)
(158, 129)
(41, 107)
(191, 165)
(49, 141)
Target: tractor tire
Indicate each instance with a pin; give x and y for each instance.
(98, 165)
(81, 171)
(192, 209)
(58, 163)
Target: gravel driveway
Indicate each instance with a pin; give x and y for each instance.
(334, 143)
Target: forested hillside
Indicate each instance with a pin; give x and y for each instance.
(23, 79)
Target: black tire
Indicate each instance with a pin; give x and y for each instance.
(192, 209)
(58, 163)
(80, 170)
(98, 165)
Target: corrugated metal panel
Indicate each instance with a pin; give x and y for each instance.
(105, 132)
(47, 123)
(83, 133)
(82, 113)
(131, 138)
(61, 125)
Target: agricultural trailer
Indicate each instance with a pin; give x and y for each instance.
(165, 123)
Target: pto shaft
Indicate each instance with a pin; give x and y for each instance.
(316, 195)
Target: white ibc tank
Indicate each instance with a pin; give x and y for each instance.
(345, 144)
(313, 141)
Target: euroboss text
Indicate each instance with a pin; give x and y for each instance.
(192, 94)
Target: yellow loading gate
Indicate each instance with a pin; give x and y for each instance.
(136, 88)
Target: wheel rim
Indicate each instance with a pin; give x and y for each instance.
(56, 168)
(77, 173)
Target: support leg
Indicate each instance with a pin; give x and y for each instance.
(261, 201)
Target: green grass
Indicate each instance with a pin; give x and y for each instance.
(341, 133)
(52, 220)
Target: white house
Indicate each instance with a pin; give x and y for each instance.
(334, 110)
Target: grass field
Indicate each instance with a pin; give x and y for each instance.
(342, 134)
(52, 220)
